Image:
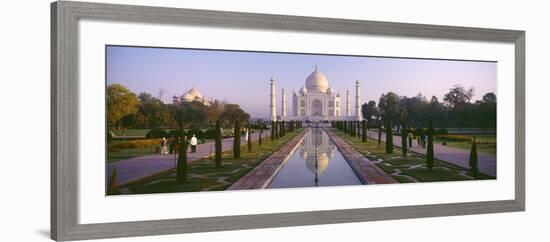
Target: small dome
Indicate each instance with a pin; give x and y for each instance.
(330, 91)
(303, 90)
(317, 81)
(195, 93)
(187, 97)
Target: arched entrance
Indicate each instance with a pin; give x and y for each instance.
(316, 108)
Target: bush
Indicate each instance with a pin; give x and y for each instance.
(156, 133)
(174, 133)
(418, 132)
(455, 137)
(133, 144)
(442, 131)
(109, 137)
(197, 132)
(210, 134)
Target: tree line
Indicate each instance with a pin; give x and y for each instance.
(125, 109)
(456, 110)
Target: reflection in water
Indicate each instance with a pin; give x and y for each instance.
(316, 162)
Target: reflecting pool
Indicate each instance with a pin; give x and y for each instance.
(315, 162)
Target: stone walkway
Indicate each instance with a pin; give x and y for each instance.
(366, 170)
(260, 177)
(140, 167)
(487, 163)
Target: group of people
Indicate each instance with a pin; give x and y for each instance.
(421, 140)
(169, 146)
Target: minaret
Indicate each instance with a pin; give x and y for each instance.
(283, 104)
(357, 100)
(273, 115)
(347, 104)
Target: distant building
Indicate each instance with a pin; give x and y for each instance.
(315, 101)
(193, 95)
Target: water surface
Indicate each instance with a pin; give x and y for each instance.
(315, 162)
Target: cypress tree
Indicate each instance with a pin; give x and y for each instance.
(346, 129)
(237, 140)
(218, 145)
(249, 141)
(260, 136)
(276, 129)
(389, 138)
(473, 159)
(181, 169)
(283, 131)
(358, 128)
(364, 131)
(379, 133)
(272, 130)
(430, 147)
(404, 139)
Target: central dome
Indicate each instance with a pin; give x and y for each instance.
(195, 93)
(317, 81)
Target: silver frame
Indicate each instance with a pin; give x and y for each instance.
(64, 114)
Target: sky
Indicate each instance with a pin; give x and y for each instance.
(244, 77)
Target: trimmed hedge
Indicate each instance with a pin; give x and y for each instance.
(133, 144)
(442, 131)
(156, 133)
(419, 132)
(455, 137)
(197, 132)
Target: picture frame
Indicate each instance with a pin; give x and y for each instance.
(65, 16)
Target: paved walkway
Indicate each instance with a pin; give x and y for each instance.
(261, 176)
(365, 169)
(487, 163)
(140, 167)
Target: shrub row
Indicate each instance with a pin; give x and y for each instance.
(455, 137)
(199, 133)
(133, 144)
(420, 131)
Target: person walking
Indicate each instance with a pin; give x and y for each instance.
(163, 148)
(410, 136)
(193, 144)
(425, 141)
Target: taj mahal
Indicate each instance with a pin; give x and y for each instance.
(315, 101)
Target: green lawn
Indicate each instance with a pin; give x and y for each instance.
(486, 143)
(204, 176)
(410, 168)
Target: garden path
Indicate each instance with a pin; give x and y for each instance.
(140, 167)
